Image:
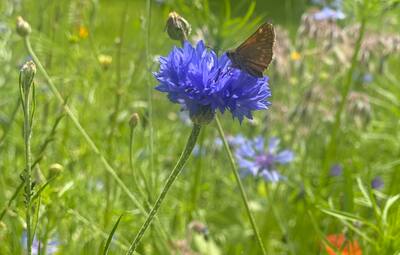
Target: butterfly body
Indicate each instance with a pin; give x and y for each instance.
(255, 54)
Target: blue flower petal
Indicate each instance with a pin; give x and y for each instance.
(284, 157)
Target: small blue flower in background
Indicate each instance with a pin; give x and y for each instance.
(377, 183)
(368, 78)
(253, 158)
(336, 4)
(329, 14)
(51, 248)
(200, 81)
(336, 170)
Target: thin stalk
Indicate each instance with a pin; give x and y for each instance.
(77, 124)
(196, 178)
(149, 90)
(240, 185)
(172, 177)
(137, 170)
(28, 163)
(332, 145)
(113, 117)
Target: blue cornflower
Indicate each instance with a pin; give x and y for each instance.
(254, 159)
(203, 83)
(329, 14)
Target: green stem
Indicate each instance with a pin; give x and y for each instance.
(241, 188)
(172, 177)
(77, 124)
(332, 145)
(150, 92)
(28, 170)
(137, 171)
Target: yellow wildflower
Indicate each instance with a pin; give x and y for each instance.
(83, 32)
(295, 56)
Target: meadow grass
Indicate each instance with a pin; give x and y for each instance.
(98, 171)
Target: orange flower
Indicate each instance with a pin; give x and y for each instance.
(346, 247)
(83, 32)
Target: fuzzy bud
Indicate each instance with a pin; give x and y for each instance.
(177, 27)
(134, 120)
(55, 169)
(105, 61)
(26, 75)
(23, 27)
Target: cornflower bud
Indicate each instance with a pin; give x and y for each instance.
(134, 120)
(26, 75)
(23, 27)
(177, 27)
(55, 169)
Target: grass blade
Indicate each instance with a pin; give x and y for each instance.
(107, 246)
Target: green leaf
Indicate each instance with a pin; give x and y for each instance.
(107, 246)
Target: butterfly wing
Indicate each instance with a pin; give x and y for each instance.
(255, 54)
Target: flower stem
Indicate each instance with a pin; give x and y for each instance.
(172, 177)
(239, 183)
(150, 93)
(348, 82)
(77, 124)
(28, 163)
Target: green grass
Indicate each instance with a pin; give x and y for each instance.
(81, 207)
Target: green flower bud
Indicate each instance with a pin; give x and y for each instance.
(134, 120)
(55, 169)
(177, 27)
(105, 61)
(203, 117)
(23, 27)
(26, 75)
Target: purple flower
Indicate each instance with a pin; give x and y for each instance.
(329, 14)
(253, 158)
(377, 183)
(336, 170)
(203, 83)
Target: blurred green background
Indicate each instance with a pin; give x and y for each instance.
(95, 53)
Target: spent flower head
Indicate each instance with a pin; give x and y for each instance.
(202, 83)
(253, 158)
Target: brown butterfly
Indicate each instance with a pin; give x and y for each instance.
(255, 54)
